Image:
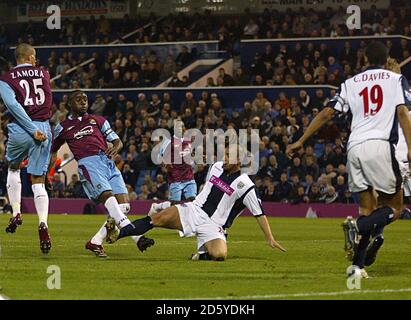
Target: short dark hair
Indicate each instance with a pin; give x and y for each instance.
(377, 53)
(72, 95)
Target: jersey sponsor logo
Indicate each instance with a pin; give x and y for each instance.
(220, 184)
(27, 73)
(86, 131)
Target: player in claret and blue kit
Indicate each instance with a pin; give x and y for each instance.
(176, 155)
(26, 92)
(87, 136)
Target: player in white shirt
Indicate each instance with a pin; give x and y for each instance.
(226, 193)
(378, 99)
(401, 153)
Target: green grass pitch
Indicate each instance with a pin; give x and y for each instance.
(313, 268)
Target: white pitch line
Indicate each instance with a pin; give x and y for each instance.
(298, 295)
(2, 297)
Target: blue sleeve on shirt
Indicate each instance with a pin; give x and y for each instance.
(57, 130)
(108, 132)
(14, 107)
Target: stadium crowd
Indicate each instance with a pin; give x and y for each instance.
(316, 174)
(299, 64)
(228, 29)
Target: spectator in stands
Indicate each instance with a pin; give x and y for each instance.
(57, 187)
(98, 106)
(144, 192)
(283, 188)
(175, 81)
(74, 189)
(183, 57)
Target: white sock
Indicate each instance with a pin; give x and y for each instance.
(115, 212)
(41, 202)
(100, 235)
(162, 206)
(125, 207)
(14, 190)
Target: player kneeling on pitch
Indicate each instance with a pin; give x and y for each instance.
(87, 136)
(226, 193)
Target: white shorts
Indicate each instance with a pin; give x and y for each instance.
(196, 222)
(406, 179)
(373, 164)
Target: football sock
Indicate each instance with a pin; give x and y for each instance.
(162, 205)
(377, 219)
(14, 190)
(100, 235)
(360, 254)
(115, 212)
(377, 231)
(204, 256)
(125, 207)
(41, 202)
(136, 228)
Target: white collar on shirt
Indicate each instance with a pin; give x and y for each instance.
(23, 65)
(70, 117)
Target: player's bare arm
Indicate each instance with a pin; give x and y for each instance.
(265, 227)
(114, 148)
(318, 122)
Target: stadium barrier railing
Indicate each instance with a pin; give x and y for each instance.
(231, 97)
(335, 45)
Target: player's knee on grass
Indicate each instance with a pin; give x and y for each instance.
(218, 254)
(217, 249)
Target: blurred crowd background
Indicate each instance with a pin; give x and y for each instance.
(316, 174)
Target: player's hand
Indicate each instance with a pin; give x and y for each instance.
(39, 136)
(291, 148)
(275, 245)
(111, 150)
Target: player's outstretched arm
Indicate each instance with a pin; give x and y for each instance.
(265, 227)
(14, 107)
(318, 122)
